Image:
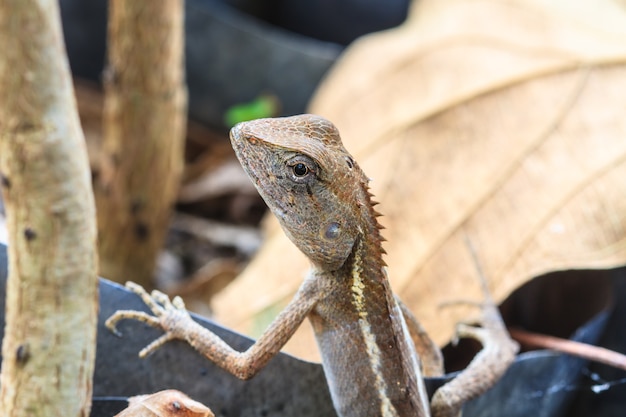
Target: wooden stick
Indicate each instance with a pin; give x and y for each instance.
(582, 350)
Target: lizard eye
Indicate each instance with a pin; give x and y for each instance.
(300, 170)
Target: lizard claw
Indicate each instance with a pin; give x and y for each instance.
(168, 314)
(112, 326)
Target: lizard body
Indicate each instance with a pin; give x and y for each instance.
(321, 198)
(366, 338)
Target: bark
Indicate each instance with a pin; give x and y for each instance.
(144, 128)
(51, 310)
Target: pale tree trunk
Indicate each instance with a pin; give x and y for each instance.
(51, 309)
(144, 128)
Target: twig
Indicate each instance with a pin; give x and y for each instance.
(571, 347)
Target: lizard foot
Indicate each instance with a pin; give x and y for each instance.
(169, 316)
(486, 368)
(489, 325)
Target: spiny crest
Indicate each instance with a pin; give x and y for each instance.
(375, 226)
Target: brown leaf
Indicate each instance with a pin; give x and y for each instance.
(168, 403)
(501, 123)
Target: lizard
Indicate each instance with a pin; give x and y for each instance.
(369, 341)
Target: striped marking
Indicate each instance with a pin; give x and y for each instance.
(373, 352)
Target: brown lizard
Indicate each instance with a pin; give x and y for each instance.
(368, 340)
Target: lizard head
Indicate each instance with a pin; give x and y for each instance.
(310, 182)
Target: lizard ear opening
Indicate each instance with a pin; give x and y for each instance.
(334, 246)
(333, 230)
(327, 248)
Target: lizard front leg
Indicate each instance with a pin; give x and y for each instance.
(173, 318)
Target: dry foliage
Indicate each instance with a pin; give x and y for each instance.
(168, 403)
(495, 122)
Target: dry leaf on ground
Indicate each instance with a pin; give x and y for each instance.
(501, 122)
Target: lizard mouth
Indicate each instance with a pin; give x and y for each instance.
(240, 142)
(277, 209)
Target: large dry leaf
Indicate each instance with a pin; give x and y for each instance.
(500, 123)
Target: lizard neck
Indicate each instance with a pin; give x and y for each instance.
(362, 304)
(366, 257)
